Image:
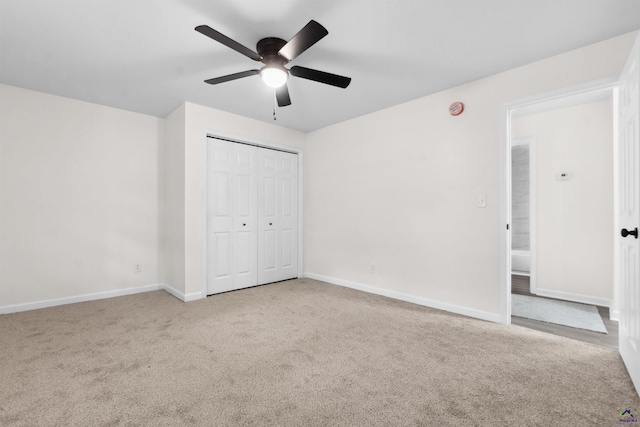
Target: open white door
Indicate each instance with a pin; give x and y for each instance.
(629, 214)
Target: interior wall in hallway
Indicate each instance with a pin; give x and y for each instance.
(520, 216)
(574, 217)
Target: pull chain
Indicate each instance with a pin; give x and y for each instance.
(274, 105)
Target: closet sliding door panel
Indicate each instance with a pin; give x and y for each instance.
(289, 216)
(277, 216)
(231, 216)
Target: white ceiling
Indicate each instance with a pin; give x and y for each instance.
(144, 55)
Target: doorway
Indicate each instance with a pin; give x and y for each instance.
(564, 244)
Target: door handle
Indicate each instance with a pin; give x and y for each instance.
(624, 232)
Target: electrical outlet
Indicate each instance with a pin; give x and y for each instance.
(137, 267)
(373, 268)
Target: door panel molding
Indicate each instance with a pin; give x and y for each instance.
(231, 216)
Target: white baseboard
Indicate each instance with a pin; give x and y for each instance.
(569, 296)
(465, 311)
(614, 315)
(181, 296)
(520, 273)
(15, 308)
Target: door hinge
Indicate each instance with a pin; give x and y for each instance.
(507, 226)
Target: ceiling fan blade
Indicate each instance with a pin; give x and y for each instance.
(320, 76)
(282, 95)
(230, 77)
(306, 37)
(221, 38)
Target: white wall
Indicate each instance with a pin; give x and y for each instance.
(87, 191)
(575, 217)
(399, 187)
(81, 202)
(79, 198)
(198, 121)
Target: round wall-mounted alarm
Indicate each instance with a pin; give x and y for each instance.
(456, 108)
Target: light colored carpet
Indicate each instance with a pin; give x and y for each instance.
(581, 316)
(296, 353)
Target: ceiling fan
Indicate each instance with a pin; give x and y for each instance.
(274, 53)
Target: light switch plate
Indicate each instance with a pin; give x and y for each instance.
(482, 201)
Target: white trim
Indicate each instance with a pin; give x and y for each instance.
(505, 214)
(300, 214)
(575, 90)
(15, 308)
(533, 213)
(181, 296)
(614, 313)
(457, 309)
(570, 296)
(559, 102)
(251, 141)
(258, 143)
(506, 111)
(203, 197)
(520, 273)
(533, 216)
(613, 309)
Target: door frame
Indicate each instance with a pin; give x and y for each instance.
(506, 111)
(530, 141)
(239, 139)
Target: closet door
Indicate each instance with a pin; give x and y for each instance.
(231, 216)
(277, 216)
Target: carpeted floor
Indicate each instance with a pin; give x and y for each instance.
(296, 353)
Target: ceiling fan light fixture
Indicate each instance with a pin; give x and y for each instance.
(274, 75)
(275, 53)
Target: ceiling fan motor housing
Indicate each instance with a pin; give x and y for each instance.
(273, 73)
(268, 49)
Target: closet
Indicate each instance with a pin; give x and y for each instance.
(251, 214)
